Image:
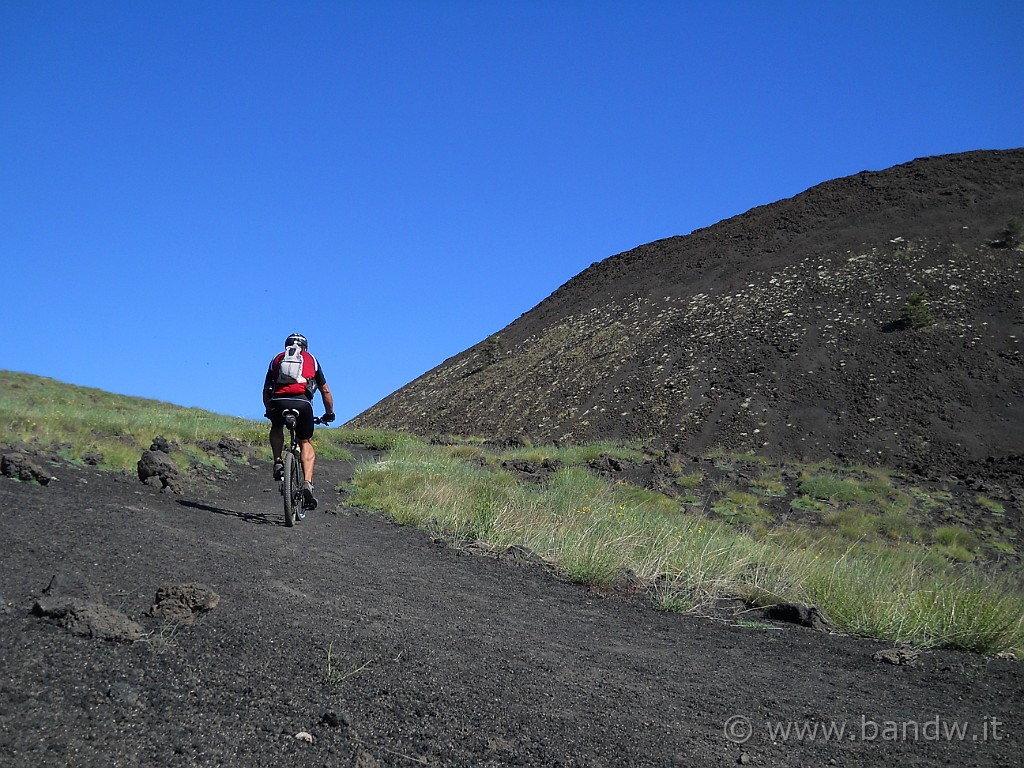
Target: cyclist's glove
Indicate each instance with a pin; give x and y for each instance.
(328, 418)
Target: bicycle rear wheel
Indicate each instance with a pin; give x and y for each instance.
(291, 488)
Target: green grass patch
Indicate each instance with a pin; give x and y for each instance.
(690, 480)
(898, 524)
(741, 508)
(593, 531)
(628, 496)
(468, 452)
(954, 535)
(1002, 547)
(832, 488)
(956, 543)
(853, 522)
(575, 454)
(45, 413)
(904, 598)
(769, 485)
(807, 504)
(933, 501)
(78, 421)
(991, 505)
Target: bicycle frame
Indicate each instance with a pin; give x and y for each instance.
(293, 476)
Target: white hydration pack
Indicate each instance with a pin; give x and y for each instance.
(290, 371)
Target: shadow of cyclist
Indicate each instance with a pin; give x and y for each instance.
(247, 517)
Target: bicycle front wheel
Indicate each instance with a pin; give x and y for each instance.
(291, 489)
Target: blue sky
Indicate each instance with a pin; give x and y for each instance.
(183, 184)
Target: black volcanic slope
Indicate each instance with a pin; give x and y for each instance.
(782, 332)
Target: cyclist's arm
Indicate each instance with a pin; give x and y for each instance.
(325, 391)
(327, 397)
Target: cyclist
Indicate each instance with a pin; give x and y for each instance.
(292, 379)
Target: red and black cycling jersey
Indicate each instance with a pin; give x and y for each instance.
(311, 372)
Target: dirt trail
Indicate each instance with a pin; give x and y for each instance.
(388, 648)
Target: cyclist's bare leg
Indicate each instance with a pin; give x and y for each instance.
(308, 458)
(277, 440)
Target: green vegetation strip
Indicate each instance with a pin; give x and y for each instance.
(595, 532)
(39, 412)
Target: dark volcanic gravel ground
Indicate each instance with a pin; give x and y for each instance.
(390, 649)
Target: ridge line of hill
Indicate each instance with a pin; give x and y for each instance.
(875, 318)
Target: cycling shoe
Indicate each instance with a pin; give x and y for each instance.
(308, 499)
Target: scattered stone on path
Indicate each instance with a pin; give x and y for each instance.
(183, 602)
(900, 657)
(498, 744)
(532, 471)
(127, 694)
(335, 720)
(522, 553)
(229, 449)
(93, 458)
(794, 613)
(606, 464)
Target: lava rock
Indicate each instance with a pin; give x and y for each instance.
(158, 469)
(88, 619)
(183, 602)
(20, 467)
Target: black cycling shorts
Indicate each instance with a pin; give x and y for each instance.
(303, 425)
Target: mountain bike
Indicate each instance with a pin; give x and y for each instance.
(293, 478)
